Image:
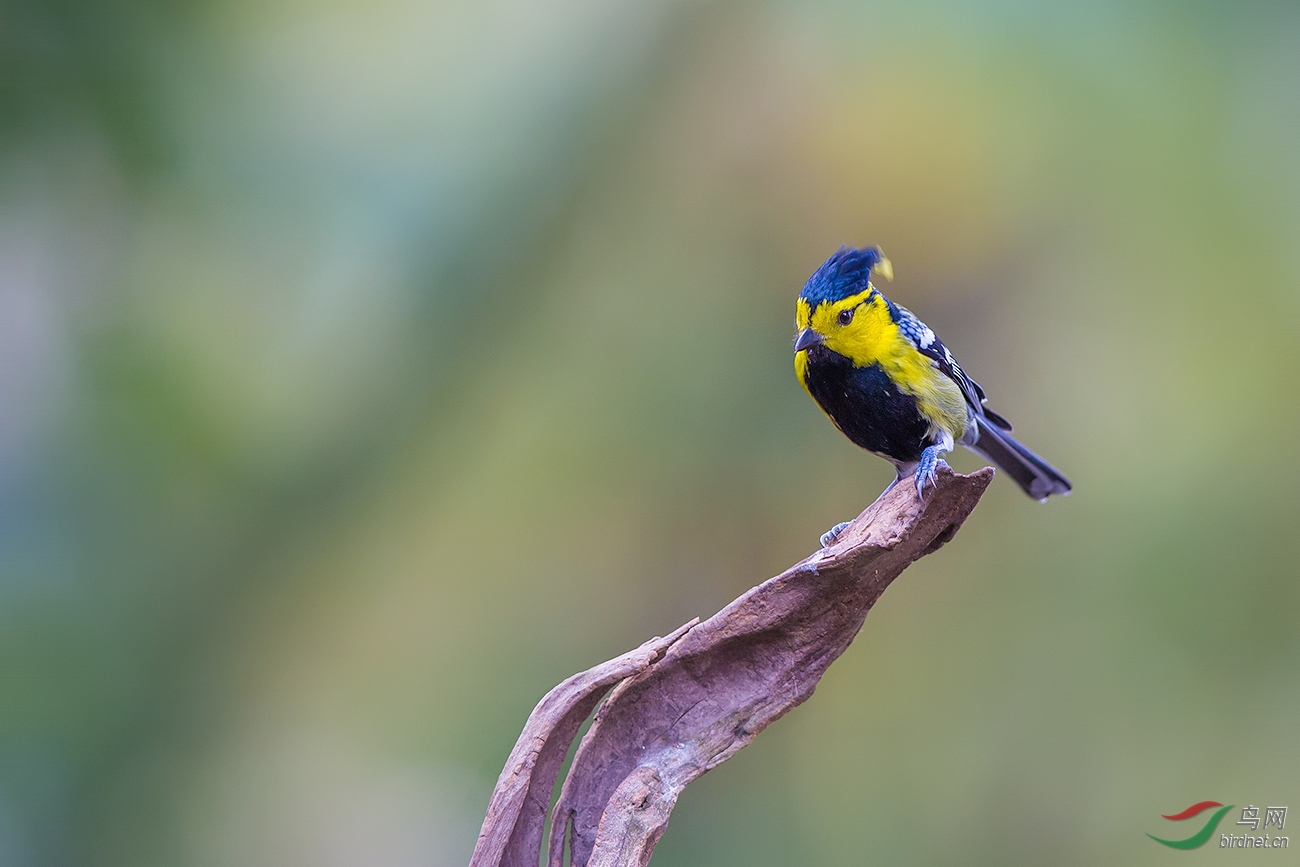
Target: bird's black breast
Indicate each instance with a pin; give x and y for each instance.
(866, 405)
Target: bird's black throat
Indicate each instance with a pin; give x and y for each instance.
(867, 406)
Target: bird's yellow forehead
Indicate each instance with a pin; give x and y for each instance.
(802, 313)
(822, 318)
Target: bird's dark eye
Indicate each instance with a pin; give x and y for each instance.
(846, 316)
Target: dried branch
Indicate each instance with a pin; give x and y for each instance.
(685, 703)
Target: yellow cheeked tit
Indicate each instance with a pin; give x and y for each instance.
(891, 386)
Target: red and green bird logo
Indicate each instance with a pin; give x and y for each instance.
(1199, 838)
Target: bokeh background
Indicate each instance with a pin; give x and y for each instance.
(366, 368)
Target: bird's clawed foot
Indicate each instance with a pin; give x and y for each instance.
(928, 468)
(829, 537)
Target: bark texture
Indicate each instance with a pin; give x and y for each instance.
(680, 705)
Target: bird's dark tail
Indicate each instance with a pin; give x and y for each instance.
(1037, 477)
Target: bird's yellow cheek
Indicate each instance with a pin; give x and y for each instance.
(801, 369)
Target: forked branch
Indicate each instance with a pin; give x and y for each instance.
(680, 705)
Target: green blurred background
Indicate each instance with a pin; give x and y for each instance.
(366, 368)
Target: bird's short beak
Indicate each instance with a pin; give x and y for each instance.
(807, 339)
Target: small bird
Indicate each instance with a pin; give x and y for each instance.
(891, 386)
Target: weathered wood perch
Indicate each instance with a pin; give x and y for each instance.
(683, 704)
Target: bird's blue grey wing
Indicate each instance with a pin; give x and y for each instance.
(929, 345)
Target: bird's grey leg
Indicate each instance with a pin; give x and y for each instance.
(829, 537)
(930, 460)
